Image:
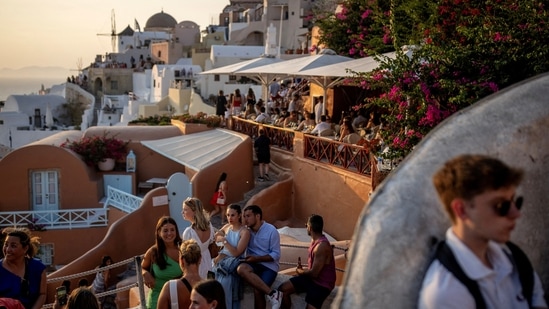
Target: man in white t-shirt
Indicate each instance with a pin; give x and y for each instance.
(263, 117)
(479, 195)
(318, 108)
(322, 126)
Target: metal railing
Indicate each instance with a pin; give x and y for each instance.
(55, 219)
(122, 200)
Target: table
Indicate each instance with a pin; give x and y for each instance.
(158, 182)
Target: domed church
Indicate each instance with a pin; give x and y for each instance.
(160, 22)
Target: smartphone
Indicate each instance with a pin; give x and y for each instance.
(211, 275)
(61, 294)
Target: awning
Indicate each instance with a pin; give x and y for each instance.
(197, 150)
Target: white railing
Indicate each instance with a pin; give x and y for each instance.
(55, 219)
(122, 200)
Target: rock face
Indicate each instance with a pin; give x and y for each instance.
(394, 234)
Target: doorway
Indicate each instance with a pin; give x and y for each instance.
(45, 190)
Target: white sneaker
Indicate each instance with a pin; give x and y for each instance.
(275, 299)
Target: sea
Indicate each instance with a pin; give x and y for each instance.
(26, 85)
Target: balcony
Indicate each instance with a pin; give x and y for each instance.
(327, 151)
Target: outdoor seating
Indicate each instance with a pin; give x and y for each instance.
(327, 132)
(352, 138)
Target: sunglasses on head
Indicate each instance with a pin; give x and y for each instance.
(503, 208)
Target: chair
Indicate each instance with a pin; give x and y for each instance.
(352, 138)
(327, 132)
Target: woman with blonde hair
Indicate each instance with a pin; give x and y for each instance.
(189, 260)
(201, 230)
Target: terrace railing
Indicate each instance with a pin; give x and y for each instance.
(55, 219)
(280, 137)
(353, 158)
(122, 200)
(244, 126)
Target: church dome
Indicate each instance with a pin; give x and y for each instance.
(161, 20)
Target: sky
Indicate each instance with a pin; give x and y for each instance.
(60, 32)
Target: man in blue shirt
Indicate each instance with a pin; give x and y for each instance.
(261, 265)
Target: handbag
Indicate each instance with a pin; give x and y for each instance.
(214, 249)
(220, 199)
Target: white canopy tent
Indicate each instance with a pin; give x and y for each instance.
(296, 66)
(333, 74)
(234, 69)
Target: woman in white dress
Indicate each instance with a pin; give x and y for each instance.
(201, 230)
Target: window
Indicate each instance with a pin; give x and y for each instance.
(114, 84)
(1, 121)
(159, 54)
(45, 254)
(216, 77)
(232, 77)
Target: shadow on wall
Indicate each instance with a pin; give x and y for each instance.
(393, 235)
(276, 201)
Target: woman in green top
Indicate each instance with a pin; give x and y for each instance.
(160, 263)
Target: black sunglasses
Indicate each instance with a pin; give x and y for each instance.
(502, 209)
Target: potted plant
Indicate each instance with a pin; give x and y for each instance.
(97, 150)
(212, 121)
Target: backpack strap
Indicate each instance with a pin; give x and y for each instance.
(173, 294)
(525, 270)
(446, 257)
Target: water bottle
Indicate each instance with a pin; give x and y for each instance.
(379, 163)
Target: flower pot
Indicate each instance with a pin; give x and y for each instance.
(106, 165)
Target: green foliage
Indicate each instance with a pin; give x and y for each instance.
(72, 112)
(153, 121)
(212, 121)
(359, 28)
(465, 51)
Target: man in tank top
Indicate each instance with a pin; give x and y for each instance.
(318, 280)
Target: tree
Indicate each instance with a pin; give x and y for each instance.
(72, 113)
(359, 28)
(464, 52)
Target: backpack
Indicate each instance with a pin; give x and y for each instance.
(518, 258)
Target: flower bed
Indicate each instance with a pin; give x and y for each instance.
(212, 121)
(98, 148)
